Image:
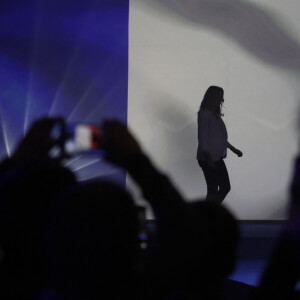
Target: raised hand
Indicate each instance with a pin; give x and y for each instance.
(38, 141)
(118, 142)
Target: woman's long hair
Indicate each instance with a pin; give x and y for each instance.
(213, 100)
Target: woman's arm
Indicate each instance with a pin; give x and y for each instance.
(236, 151)
(204, 137)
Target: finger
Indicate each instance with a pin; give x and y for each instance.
(43, 127)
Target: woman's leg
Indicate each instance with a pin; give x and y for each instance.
(222, 179)
(217, 180)
(211, 182)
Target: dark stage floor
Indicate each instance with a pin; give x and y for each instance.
(257, 241)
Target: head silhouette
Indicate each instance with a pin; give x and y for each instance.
(27, 192)
(213, 100)
(92, 241)
(211, 246)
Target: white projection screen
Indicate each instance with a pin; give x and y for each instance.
(177, 49)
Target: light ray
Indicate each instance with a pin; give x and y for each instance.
(35, 36)
(3, 126)
(111, 92)
(70, 162)
(88, 90)
(68, 68)
(66, 75)
(98, 175)
(79, 103)
(87, 164)
(26, 117)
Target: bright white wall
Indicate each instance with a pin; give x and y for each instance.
(177, 49)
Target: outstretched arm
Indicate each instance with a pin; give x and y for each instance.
(123, 150)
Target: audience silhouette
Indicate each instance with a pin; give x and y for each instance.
(63, 239)
(91, 243)
(282, 273)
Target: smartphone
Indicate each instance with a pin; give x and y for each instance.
(83, 138)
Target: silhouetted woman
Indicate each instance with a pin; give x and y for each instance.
(213, 144)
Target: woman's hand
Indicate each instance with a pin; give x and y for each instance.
(238, 152)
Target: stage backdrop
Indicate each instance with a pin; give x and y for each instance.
(149, 62)
(177, 49)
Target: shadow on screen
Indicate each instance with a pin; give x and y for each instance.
(255, 29)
